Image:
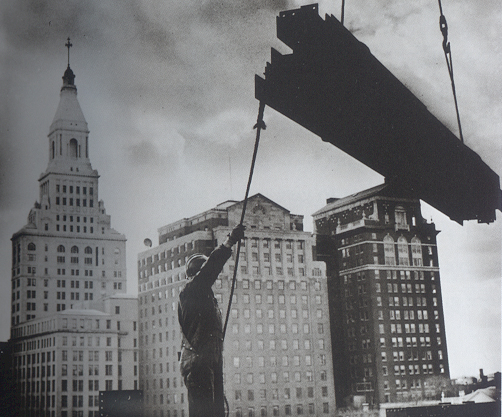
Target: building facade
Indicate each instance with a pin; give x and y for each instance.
(66, 261)
(387, 320)
(277, 354)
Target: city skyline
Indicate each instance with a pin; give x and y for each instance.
(178, 108)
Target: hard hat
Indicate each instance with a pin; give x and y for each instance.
(194, 263)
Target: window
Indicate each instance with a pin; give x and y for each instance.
(400, 217)
(416, 251)
(390, 254)
(402, 248)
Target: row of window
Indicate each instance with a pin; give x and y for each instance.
(179, 277)
(35, 386)
(78, 400)
(248, 345)
(394, 328)
(407, 301)
(425, 341)
(78, 385)
(78, 355)
(89, 324)
(64, 201)
(61, 283)
(276, 410)
(403, 275)
(409, 328)
(285, 361)
(405, 288)
(77, 189)
(77, 370)
(72, 229)
(255, 270)
(267, 243)
(61, 248)
(412, 369)
(293, 313)
(269, 284)
(278, 258)
(274, 394)
(61, 295)
(254, 244)
(91, 341)
(168, 253)
(389, 244)
(279, 270)
(408, 314)
(272, 328)
(402, 384)
(270, 299)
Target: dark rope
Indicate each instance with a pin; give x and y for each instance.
(343, 12)
(227, 410)
(443, 27)
(260, 124)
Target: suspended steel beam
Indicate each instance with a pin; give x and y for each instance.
(333, 86)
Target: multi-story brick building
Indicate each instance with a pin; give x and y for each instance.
(385, 296)
(277, 356)
(69, 283)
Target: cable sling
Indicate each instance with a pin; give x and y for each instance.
(443, 27)
(260, 124)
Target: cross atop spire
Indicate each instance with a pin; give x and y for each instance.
(68, 45)
(69, 76)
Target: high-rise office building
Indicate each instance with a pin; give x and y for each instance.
(385, 296)
(73, 328)
(277, 354)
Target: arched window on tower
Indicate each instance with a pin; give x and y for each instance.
(31, 246)
(390, 253)
(74, 249)
(73, 148)
(61, 249)
(88, 250)
(402, 251)
(416, 251)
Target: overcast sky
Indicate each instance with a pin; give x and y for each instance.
(167, 89)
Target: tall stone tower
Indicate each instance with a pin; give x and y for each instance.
(73, 328)
(67, 252)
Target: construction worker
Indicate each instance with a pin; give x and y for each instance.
(201, 362)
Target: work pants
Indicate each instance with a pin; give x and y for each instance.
(205, 392)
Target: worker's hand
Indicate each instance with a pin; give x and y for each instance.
(236, 235)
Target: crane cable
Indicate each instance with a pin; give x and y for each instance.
(259, 126)
(443, 27)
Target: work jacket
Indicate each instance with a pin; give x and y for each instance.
(200, 317)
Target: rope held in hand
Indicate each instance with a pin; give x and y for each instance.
(260, 124)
